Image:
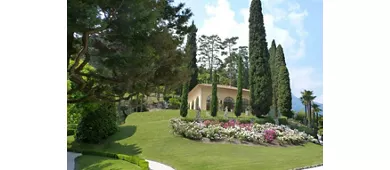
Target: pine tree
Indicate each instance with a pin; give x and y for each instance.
(274, 77)
(259, 72)
(214, 98)
(284, 92)
(191, 49)
(238, 106)
(210, 48)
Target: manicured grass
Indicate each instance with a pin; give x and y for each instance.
(87, 162)
(148, 135)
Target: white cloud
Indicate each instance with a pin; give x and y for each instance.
(304, 78)
(220, 20)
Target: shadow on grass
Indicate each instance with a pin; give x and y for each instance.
(93, 163)
(113, 143)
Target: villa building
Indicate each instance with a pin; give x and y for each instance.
(200, 96)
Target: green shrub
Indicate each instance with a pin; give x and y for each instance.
(320, 132)
(98, 124)
(174, 103)
(300, 116)
(283, 120)
(70, 132)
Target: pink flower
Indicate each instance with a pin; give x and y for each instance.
(269, 135)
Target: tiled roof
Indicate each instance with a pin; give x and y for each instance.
(219, 86)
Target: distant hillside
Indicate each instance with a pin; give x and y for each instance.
(298, 106)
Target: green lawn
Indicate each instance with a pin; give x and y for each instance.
(148, 134)
(87, 162)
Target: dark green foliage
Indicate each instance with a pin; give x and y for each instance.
(283, 120)
(243, 52)
(174, 103)
(284, 93)
(238, 107)
(98, 124)
(142, 163)
(274, 75)
(70, 132)
(129, 47)
(259, 72)
(214, 98)
(184, 98)
(191, 49)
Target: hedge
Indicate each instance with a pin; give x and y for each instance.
(142, 163)
(70, 132)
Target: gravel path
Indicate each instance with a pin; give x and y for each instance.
(71, 157)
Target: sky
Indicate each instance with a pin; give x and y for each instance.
(295, 24)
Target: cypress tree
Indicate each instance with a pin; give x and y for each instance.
(238, 106)
(260, 74)
(190, 52)
(184, 99)
(191, 49)
(284, 92)
(214, 98)
(274, 75)
(284, 106)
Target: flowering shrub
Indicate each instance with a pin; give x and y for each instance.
(255, 133)
(269, 135)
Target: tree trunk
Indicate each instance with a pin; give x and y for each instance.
(142, 103)
(310, 116)
(136, 106)
(158, 94)
(305, 118)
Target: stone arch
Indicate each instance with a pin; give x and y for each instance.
(192, 105)
(208, 102)
(197, 102)
(229, 103)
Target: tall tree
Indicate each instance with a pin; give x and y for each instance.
(184, 99)
(307, 98)
(191, 50)
(279, 68)
(316, 110)
(274, 76)
(135, 42)
(259, 72)
(243, 52)
(214, 98)
(284, 93)
(210, 47)
(231, 61)
(238, 107)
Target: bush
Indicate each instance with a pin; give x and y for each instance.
(98, 124)
(289, 114)
(283, 120)
(142, 163)
(300, 116)
(70, 132)
(174, 103)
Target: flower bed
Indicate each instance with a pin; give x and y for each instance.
(263, 134)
